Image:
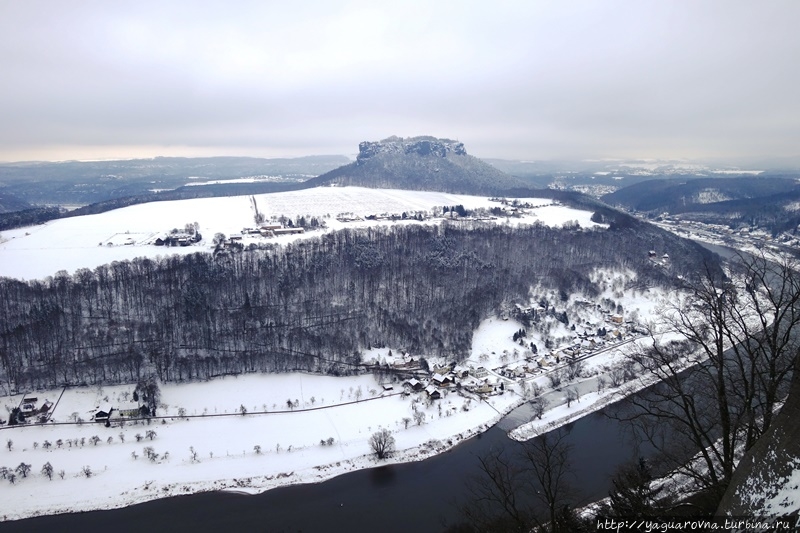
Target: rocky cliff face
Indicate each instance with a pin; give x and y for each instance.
(420, 163)
(413, 145)
(767, 480)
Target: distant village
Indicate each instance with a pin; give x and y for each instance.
(283, 225)
(520, 367)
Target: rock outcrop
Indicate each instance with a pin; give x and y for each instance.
(420, 163)
(767, 480)
(412, 145)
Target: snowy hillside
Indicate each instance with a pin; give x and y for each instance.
(88, 241)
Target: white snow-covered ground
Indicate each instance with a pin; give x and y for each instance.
(36, 252)
(227, 458)
(347, 410)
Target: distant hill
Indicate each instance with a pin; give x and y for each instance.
(419, 163)
(676, 196)
(769, 203)
(87, 182)
(10, 202)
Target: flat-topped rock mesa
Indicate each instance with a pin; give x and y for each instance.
(419, 163)
(423, 145)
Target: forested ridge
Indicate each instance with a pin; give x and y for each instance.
(311, 305)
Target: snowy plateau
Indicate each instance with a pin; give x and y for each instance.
(256, 432)
(89, 241)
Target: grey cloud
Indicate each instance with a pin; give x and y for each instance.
(510, 79)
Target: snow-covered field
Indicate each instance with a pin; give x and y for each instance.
(227, 458)
(68, 244)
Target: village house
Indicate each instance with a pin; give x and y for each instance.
(480, 372)
(433, 393)
(288, 231)
(461, 371)
(442, 381)
(484, 388)
(441, 369)
(514, 370)
(413, 384)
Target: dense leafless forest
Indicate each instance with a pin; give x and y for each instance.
(311, 305)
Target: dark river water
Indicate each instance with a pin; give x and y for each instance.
(419, 497)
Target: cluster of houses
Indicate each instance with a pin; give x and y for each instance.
(508, 208)
(263, 230)
(444, 377)
(271, 230)
(30, 408)
(478, 379)
(108, 414)
(177, 239)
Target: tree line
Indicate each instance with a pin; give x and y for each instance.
(311, 305)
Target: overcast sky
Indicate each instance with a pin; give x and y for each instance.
(522, 80)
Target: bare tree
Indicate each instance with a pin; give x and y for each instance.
(419, 417)
(556, 377)
(538, 406)
(406, 422)
(150, 453)
(572, 395)
(382, 443)
(574, 369)
(23, 469)
(47, 470)
(617, 376)
(87, 471)
(523, 487)
(496, 498)
(549, 465)
(719, 388)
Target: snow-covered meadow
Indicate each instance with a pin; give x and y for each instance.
(326, 435)
(36, 252)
